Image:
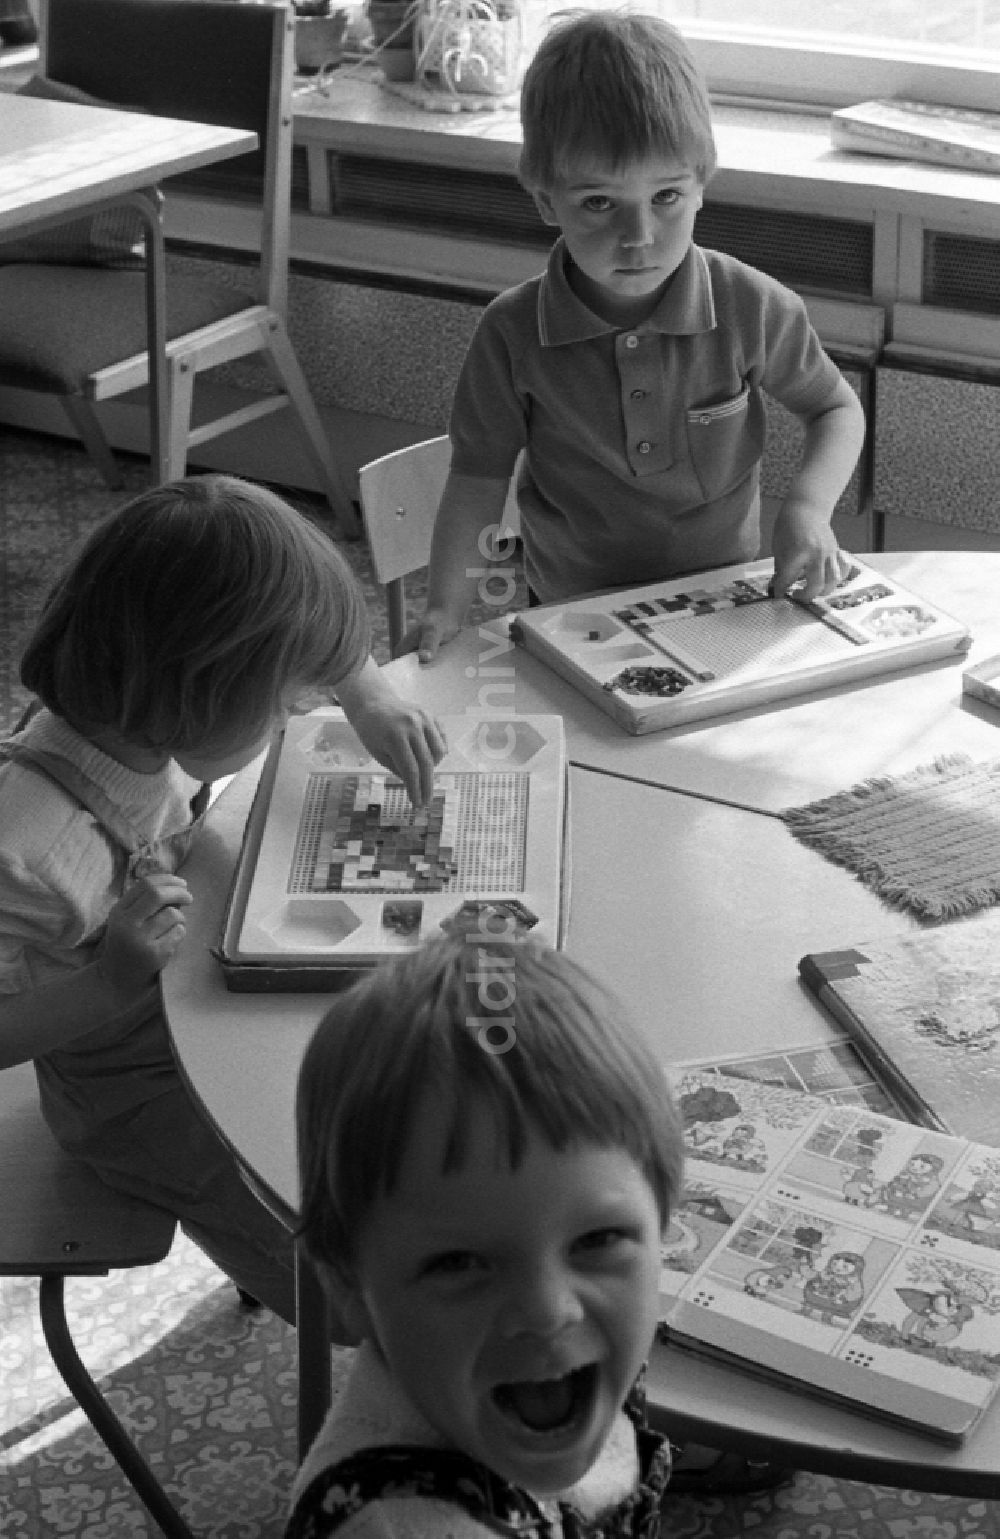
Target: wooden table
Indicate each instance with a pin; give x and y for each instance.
(58, 161)
(696, 911)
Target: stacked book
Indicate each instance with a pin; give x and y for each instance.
(948, 136)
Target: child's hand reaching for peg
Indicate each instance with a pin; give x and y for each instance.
(144, 930)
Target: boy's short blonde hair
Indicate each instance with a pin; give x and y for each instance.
(514, 1035)
(612, 87)
(188, 612)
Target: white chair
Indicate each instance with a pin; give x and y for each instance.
(400, 493)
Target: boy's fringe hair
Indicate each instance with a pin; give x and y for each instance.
(612, 87)
(571, 1070)
(188, 611)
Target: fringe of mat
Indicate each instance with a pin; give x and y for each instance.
(825, 826)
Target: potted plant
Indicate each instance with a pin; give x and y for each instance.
(319, 33)
(392, 36)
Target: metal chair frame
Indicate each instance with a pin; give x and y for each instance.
(59, 1220)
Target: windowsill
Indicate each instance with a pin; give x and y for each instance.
(782, 156)
(785, 157)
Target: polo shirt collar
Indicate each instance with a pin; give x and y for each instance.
(686, 307)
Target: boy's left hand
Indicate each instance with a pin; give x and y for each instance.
(406, 740)
(805, 549)
(403, 737)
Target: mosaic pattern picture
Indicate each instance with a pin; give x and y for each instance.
(359, 833)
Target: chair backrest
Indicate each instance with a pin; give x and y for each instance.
(399, 500)
(210, 61)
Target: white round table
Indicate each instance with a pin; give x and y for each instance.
(696, 909)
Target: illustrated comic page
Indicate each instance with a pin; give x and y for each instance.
(833, 1228)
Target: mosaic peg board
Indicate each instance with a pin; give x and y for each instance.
(358, 833)
(339, 870)
(658, 656)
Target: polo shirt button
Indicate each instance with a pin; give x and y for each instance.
(631, 341)
(644, 447)
(705, 421)
(638, 395)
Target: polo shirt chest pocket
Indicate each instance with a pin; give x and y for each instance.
(725, 441)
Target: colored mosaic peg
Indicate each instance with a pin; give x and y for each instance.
(859, 596)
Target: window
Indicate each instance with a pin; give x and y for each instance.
(826, 53)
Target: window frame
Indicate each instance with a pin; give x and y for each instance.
(793, 73)
(772, 67)
(750, 67)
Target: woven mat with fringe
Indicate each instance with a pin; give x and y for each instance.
(927, 841)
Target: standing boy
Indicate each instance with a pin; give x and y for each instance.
(632, 371)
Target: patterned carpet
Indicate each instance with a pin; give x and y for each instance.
(208, 1390)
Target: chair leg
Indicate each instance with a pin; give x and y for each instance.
(85, 423)
(312, 1345)
(395, 603)
(180, 386)
(100, 1415)
(289, 372)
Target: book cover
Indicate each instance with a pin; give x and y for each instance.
(952, 136)
(925, 1011)
(852, 1254)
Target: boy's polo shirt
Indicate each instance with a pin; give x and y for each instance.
(642, 444)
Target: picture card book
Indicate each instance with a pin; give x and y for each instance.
(695, 647)
(339, 870)
(925, 1012)
(849, 1254)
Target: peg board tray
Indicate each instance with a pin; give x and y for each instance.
(657, 656)
(338, 870)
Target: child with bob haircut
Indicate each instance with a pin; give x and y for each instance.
(632, 372)
(172, 647)
(488, 1156)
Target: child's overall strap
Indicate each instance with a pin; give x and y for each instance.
(142, 858)
(400, 1470)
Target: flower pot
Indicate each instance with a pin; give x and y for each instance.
(319, 40)
(392, 23)
(397, 63)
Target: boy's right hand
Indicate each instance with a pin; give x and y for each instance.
(433, 631)
(144, 930)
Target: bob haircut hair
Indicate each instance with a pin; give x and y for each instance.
(517, 1034)
(188, 611)
(612, 88)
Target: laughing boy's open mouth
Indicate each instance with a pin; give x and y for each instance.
(549, 1405)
